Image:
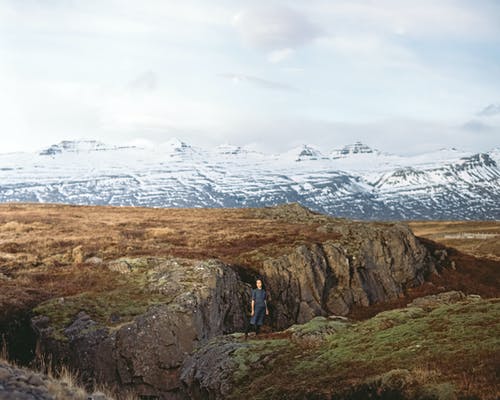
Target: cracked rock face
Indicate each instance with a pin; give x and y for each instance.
(375, 264)
(202, 299)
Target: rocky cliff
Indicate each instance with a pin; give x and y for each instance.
(194, 301)
(368, 264)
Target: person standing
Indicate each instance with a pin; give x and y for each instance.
(259, 308)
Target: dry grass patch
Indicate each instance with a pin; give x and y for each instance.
(477, 238)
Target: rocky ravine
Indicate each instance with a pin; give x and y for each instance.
(194, 301)
(137, 336)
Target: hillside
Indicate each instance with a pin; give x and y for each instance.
(438, 348)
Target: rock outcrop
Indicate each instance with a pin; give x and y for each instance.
(195, 301)
(24, 384)
(435, 300)
(402, 353)
(370, 263)
(178, 304)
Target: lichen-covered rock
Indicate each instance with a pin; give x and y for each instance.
(435, 300)
(369, 264)
(208, 372)
(195, 301)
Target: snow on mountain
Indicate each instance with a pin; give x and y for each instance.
(303, 153)
(349, 150)
(359, 182)
(175, 147)
(76, 146)
(231, 151)
(495, 155)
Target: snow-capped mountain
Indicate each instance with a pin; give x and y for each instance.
(302, 153)
(354, 181)
(354, 149)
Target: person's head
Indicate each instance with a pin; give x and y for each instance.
(258, 282)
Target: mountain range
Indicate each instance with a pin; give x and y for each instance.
(354, 181)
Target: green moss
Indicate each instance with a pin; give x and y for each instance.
(434, 348)
(108, 308)
(397, 337)
(256, 361)
(318, 326)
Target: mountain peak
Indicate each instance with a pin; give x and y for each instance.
(305, 152)
(229, 149)
(354, 149)
(175, 146)
(477, 160)
(74, 146)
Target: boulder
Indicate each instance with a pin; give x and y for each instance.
(201, 299)
(208, 372)
(93, 260)
(370, 264)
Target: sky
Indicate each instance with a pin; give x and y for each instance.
(401, 76)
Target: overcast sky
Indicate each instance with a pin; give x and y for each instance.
(401, 76)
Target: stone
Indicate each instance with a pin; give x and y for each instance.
(97, 396)
(207, 373)
(435, 300)
(23, 384)
(35, 380)
(93, 260)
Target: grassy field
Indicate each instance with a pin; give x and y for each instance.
(477, 238)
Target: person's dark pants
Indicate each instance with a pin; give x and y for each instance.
(256, 320)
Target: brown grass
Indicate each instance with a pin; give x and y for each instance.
(37, 242)
(477, 238)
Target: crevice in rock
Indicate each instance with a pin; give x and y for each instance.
(20, 338)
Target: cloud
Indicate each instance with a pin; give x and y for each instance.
(399, 136)
(259, 82)
(147, 81)
(275, 27)
(490, 110)
(280, 55)
(425, 18)
(476, 126)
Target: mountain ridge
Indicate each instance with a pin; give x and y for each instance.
(355, 181)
